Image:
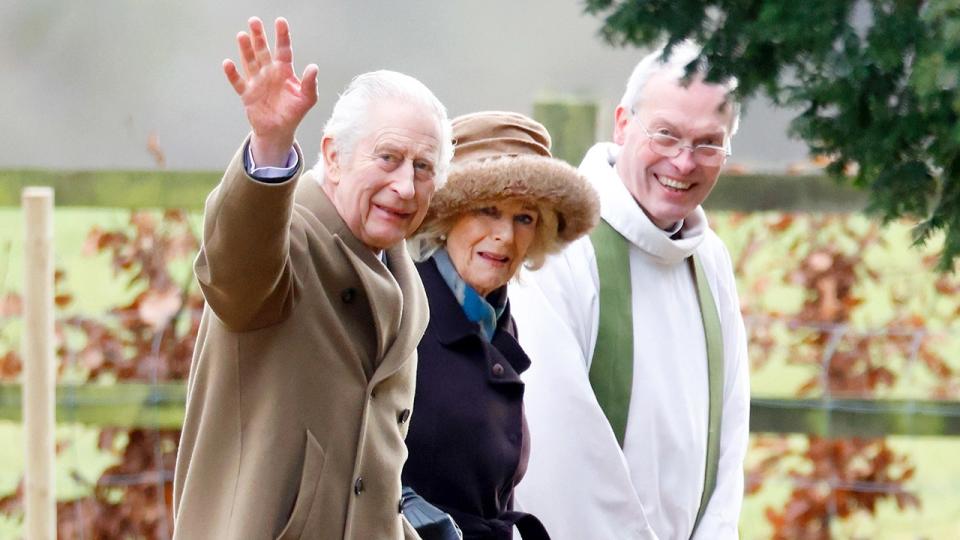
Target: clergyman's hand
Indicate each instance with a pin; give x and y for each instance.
(274, 99)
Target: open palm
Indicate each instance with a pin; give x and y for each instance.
(274, 99)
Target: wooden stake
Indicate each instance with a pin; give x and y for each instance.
(39, 365)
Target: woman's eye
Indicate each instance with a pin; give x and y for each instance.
(489, 211)
(525, 219)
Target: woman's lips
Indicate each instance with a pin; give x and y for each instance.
(494, 258)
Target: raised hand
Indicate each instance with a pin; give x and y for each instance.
(274, 99)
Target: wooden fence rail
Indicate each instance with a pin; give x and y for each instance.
(162, 406)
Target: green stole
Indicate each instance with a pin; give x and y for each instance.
(611, 371)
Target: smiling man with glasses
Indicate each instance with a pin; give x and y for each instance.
(639, 407)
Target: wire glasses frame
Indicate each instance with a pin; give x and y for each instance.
(708, 155)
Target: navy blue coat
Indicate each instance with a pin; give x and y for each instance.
(467, 432)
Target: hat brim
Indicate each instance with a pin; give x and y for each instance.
(545, 181)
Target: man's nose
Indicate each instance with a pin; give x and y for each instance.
(402, 180)
(684, 161)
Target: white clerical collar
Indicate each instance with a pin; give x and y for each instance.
(675, 229)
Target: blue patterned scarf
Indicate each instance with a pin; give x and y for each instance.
(476, 307)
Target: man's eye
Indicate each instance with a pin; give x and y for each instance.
(390, 158)
(423, 166)
(665, 139)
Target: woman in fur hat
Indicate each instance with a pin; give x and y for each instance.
(507, 202)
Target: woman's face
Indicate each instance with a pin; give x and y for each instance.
(487, 244)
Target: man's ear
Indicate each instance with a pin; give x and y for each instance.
(331, 161)
(621, 118)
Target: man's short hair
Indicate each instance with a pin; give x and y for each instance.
(350, 113)
(674, 66)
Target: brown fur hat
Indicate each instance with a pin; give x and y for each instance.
(503, 155)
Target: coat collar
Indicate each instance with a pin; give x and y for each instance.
(397, 300)
(450, 324)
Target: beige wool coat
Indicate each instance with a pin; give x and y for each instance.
(303, 377)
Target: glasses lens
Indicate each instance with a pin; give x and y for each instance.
(669, 146)
(707, 155)
(665, 145)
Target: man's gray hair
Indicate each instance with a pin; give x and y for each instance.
(346, 122)
(675, 66)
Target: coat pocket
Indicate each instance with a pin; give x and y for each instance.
(309, 483)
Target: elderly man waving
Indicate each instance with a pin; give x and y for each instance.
(639, 404)
(303, 375)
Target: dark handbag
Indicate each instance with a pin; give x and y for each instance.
(430, 522)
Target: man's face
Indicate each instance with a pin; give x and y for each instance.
(383, 188)
(669, 189)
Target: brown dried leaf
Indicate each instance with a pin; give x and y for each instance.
(153, 147)
(11, 305)
(156, 307)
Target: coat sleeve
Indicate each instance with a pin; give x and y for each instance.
(723, 512)
(244, 266)
(409, 533)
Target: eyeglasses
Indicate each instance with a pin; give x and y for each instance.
(708, 155)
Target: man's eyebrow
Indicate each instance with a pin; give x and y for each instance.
(710, 134)
(659, 120)
(387, 144)
(663, 122)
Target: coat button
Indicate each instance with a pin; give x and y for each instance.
(497, 369)
(403, 416)
(348, 294)
(358, 486)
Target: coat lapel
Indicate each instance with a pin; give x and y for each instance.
(396, 298)
(450, 325)
(383, 294)
(414, 313)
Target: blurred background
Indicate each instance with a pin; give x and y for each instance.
(123, 108)
(87, 85)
